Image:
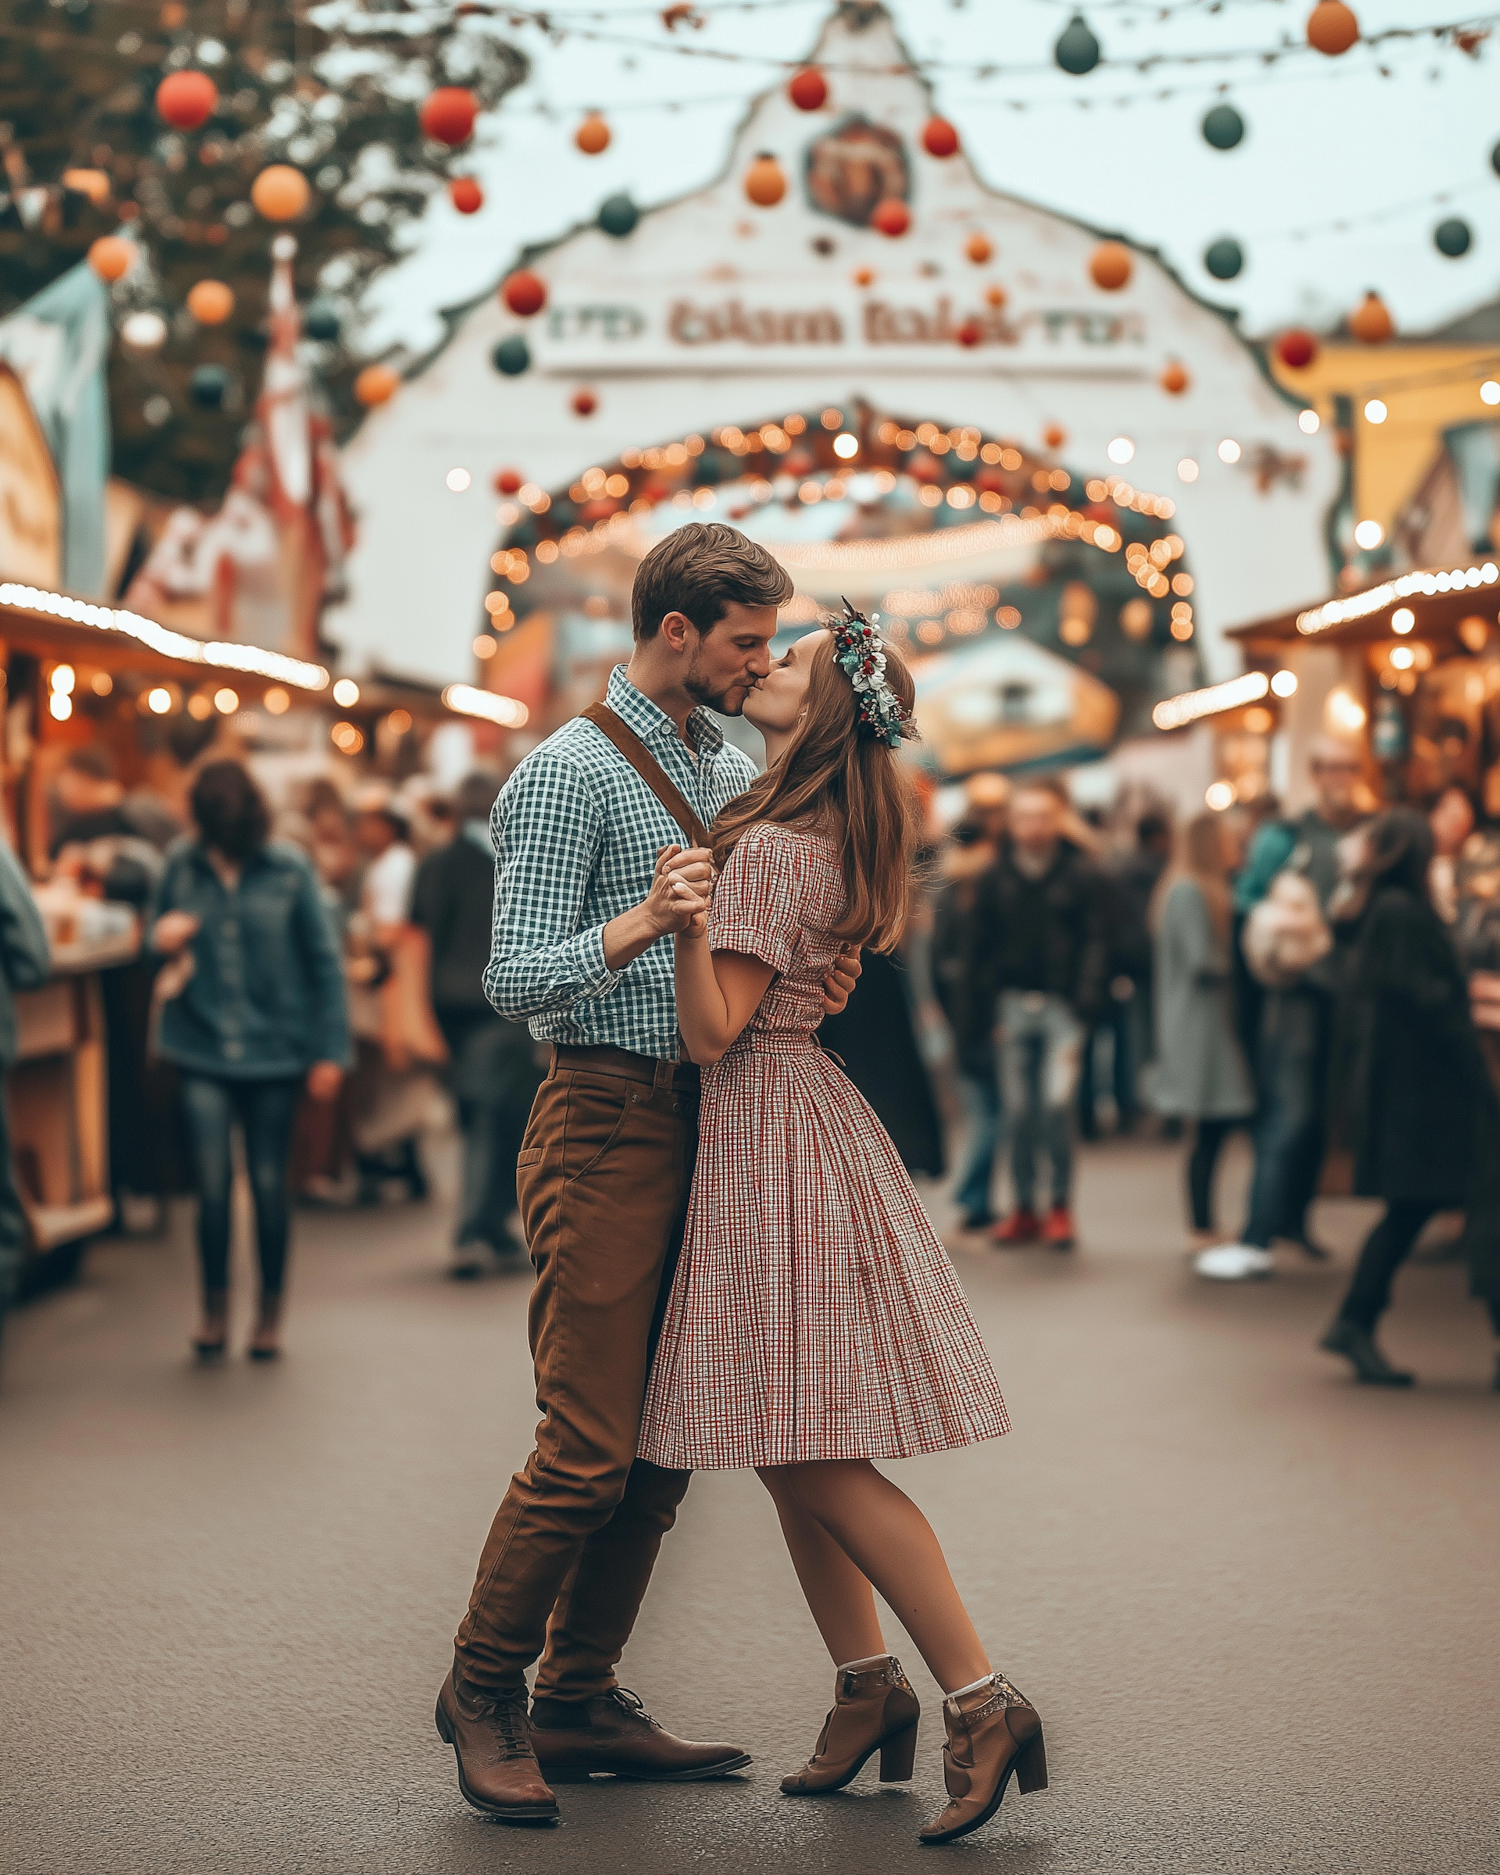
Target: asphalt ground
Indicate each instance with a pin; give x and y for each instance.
(1255, 1604)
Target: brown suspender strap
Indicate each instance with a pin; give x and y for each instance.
(650, 771)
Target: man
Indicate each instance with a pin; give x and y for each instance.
(1041, 924)
(1296, 1029)
(583, 903)
(25, 962)
(493, 1072)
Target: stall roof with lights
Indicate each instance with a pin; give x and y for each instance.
(1429, 602)
(712, 311)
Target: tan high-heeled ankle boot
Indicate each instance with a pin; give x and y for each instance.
(874, 1709)
(992, 1731)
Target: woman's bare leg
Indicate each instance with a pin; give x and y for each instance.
(890, 1543)
(839, 1596)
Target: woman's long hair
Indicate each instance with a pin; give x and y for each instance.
(1398, 851)
(1198, 855)
(839, 780)
(230, 811)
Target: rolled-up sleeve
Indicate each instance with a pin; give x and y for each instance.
(547, 828)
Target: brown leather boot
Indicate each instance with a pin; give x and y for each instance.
(497, 1767)
(874, 1708)
(613, 1732)
(992, 1731)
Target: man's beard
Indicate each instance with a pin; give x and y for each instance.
(702, 692)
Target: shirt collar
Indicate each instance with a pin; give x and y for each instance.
(650, 722)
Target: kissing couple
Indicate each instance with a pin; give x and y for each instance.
(732, 1266)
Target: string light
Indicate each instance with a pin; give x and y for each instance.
(1376, 411)
(1368, 534)
(1403, 620)
(1177, 712)
(1307, 422)
(346, 693)
(488, 705)
(1489, 392)
(1361, 604)
(1284, 684)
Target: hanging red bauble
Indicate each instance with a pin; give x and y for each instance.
(186, 100)
(592, 135)
(892, 217)
(448, 115)
(585, 403)
(111, 258)
(939, 138)
(765, 181)
(1054, 436)
(466, 195)
(1174, 379)
(1296, 349)
(978, 249)
(376, 384)
(969, 333)
(524, 293)
(508, 482)
(1371, 322)
(1111, 265)
(1332, 28)
(808, 90)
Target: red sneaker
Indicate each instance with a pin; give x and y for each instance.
(1057, 1232)
(1019, 1227)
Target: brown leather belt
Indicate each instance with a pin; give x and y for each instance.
(621, 1063)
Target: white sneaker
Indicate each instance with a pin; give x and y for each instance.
(1233, 1263)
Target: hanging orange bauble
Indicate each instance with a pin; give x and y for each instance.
(1111, 265)
(524, 293)
(186, 100)
(376, 384)
(1331, 28)
(765, 181)
(210, 302)
(585, 403)
(280, 193)
(994, 296)
(808, 90)
(939, 138)
(864, 276)
(466, 195)
(448, 115)
(592, 135)
(94, 183)
(978, 249)
(112, 258)
(1174, 380)
(969, 333)
(1296, 349)
(508, 482)
(1371, 322)
(892, 217)
(1054, 436)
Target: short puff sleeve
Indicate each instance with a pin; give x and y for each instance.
(758, 900)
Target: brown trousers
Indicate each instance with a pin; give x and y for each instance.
(603, 1179)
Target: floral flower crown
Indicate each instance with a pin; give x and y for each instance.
(859, 652)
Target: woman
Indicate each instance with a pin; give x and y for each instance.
(1200, 1069)
(253, 1009)
(815, 1323)
(1420, 1094)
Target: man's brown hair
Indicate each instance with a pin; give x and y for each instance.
(700, 570)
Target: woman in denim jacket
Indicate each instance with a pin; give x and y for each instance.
(253, 1009)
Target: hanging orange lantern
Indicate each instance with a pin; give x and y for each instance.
(1054, 436)
(448, 115)
(186, 100)
(765, 181)
(978, 249)
(376, 384)
(1296, 349)
(210, 302)
(585, 403)
(1111, 265)
(864, 276)
(592, 135)
(1332, 28)
(280, 193)
(892, 217)
(524, 293)
(994, 296)
(466, 195)
(808, 90)
(939, 138)
(111, 257)
(1174, 380)
(1371, 322)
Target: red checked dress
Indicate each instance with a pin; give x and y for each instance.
(815, 1314)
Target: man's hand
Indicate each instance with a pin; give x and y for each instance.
(838, 985)
(694, 895)
(324, 1079)
(173, 930)
(666, 908)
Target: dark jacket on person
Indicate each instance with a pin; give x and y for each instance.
(1420, 1090)
(453, 900)
(960, 979)
(1047, 933)
(266, 997)
(25, 960)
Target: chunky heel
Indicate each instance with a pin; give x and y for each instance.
(898, 1756)
(1031, 1766)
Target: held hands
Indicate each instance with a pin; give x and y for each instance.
(838, 985)
(681, 890)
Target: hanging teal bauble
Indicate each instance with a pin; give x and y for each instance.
(321, 321)
(1224, 258)
(511, 356)
(209, 386)
(1077, 50)
(1223, 127)
(618, 216)
(1453, 237)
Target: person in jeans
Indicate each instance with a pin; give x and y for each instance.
(1041, 925)
(493, 1068)
(25, 962)
(253, 1010)
(1295, 1043)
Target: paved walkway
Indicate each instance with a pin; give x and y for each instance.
(1256, 1605)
